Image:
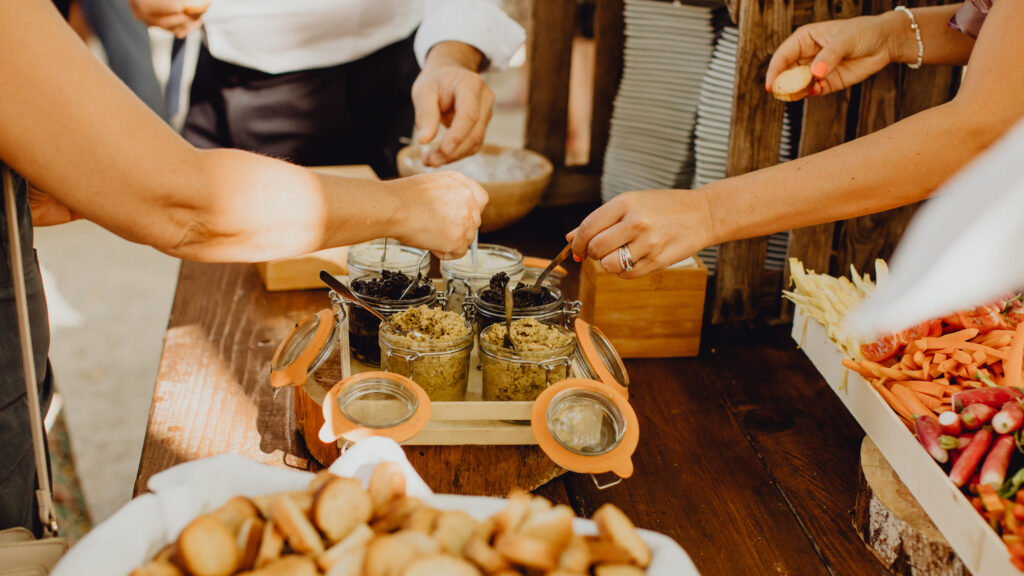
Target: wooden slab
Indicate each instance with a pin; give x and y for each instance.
(303, 272)
(895, 527)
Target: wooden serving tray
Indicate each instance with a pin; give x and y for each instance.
(470, 422)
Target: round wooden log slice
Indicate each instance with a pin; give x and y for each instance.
(464, 469)
(895, 527)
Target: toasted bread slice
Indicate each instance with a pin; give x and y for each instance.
(249, 538)
(454, 529)
(271, 545)
(390, 555)
(793, 84)
(617, 570)
(387, 483)
(157, 568)
(575, 557)
(526, 551)
(487, 558)
(358, 538)
(614, 525)
(296, 527)
(514, 513)
(552, 525)
(165, 554)
(291, 565)
(422, 519)
(340, 505)
(395, 514)
(351, 564)
(603, 551)
(236, 511)
(438, 564)
(206, 547)
(322, 477)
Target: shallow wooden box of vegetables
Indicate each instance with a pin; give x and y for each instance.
(872, 390)
(656, 316)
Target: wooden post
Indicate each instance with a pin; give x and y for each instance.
(550, 55)
(754, 144)
(890, 95)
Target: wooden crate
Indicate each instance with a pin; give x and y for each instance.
(657, 316)
(303, 272)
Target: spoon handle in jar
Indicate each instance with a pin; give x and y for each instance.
(561, 256)
(345, 292)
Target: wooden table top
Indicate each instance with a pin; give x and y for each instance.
(746, 457)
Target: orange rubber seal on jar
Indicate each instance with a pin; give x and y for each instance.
(337, 425)
(585, 341)
(618, 460)
(296, 373)
(542, 263)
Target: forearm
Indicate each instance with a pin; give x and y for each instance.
(250, 208)
(942, 44)
(893, 167)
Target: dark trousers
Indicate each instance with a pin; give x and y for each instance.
(353, 113)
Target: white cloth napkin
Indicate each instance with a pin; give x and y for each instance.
(965, 246)
(142, 527)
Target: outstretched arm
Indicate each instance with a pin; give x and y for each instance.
(72, 129)
(893, 167)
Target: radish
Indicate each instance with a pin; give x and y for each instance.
(969, 460)
(994, 396)
(965, 439)
(993, 471)
(950, 422)
(928, 431)
(976, 415)
(1009, 419)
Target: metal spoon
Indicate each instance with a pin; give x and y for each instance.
(509, 301)
(419, 276)
(345, 292)
(537, 288)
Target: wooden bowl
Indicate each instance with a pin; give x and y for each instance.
(510, 200)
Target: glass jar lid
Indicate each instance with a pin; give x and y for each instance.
(491, 259)
(368, 257)
(374, 404)
(583, 426)
(304, 350)
(598, 358)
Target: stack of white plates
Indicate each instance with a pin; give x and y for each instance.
(667, 51)
(714, 119)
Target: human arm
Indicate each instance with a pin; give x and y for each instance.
(177, 16)
(898, 165)
(80, 136)
(842, 53)
(457, 39)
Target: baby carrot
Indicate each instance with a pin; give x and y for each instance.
(929, 388)
(893, 401)
(856, 367)
(910, 400)
(1015, 358)
(933, 403)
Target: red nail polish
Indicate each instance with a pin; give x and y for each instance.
(820, 69)
(577, 258)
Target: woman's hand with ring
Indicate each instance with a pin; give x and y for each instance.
(660, 228)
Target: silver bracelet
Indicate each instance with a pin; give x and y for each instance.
(917, 35)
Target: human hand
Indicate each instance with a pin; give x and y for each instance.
(449, 91)
(177, 16)
(47, 210)
(441, 212)
(660, 227)
(841, 53)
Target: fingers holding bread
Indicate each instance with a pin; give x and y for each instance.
(337, 528)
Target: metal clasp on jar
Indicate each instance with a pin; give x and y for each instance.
(550, 366)
(570, 310)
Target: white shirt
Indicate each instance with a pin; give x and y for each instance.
(277, 36)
